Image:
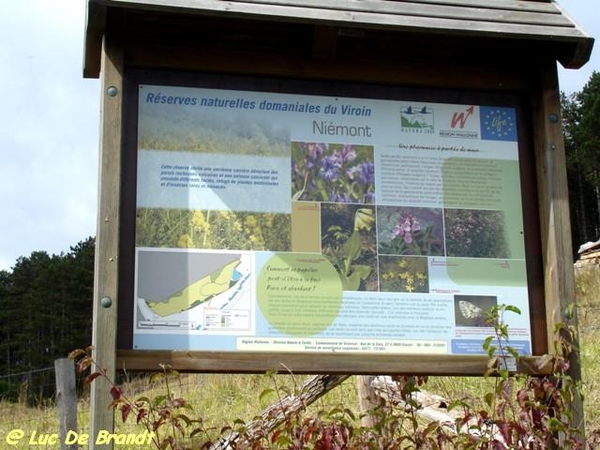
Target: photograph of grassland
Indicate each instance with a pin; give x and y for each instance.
(238, 230)
(193, 129)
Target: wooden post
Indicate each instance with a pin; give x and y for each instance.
(555, 226)
(107, 239)
(367, 398)
(66, 399)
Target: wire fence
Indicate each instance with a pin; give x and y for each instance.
(33, 386)
(28, 403)
(37, 417)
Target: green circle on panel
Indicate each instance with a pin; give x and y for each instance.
(299, 294)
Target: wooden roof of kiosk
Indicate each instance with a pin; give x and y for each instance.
(448, 29)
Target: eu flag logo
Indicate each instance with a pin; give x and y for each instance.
(498, 124)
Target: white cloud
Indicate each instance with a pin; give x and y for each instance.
(49, 113)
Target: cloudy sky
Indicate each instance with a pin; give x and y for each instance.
(49, 116)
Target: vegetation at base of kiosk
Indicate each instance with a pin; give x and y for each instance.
(220, 398)
(517, 412)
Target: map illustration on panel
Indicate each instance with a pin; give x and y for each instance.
(219, 282)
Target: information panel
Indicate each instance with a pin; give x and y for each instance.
(302, 223)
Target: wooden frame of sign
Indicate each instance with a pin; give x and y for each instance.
(130, 354)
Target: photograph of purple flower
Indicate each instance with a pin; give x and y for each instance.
(474, 233)
(339, 173)
(403, 230)
(406, 228)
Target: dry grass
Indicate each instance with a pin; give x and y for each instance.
(221, 399)
(588, 301)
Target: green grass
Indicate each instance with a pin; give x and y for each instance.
(220, 399)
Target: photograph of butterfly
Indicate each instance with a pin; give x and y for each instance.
(469, 310)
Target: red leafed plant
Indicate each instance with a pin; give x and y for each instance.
(164, 416)
(520, 412)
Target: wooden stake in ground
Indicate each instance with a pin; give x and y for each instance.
(66, 399)
(367, 398)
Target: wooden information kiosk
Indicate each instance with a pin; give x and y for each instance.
(330, 186)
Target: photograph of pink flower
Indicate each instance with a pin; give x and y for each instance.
(474, 233)
(410, 231)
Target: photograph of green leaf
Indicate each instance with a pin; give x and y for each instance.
(348, 241)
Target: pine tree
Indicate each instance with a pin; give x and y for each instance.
(581, 120)
(45, 310)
